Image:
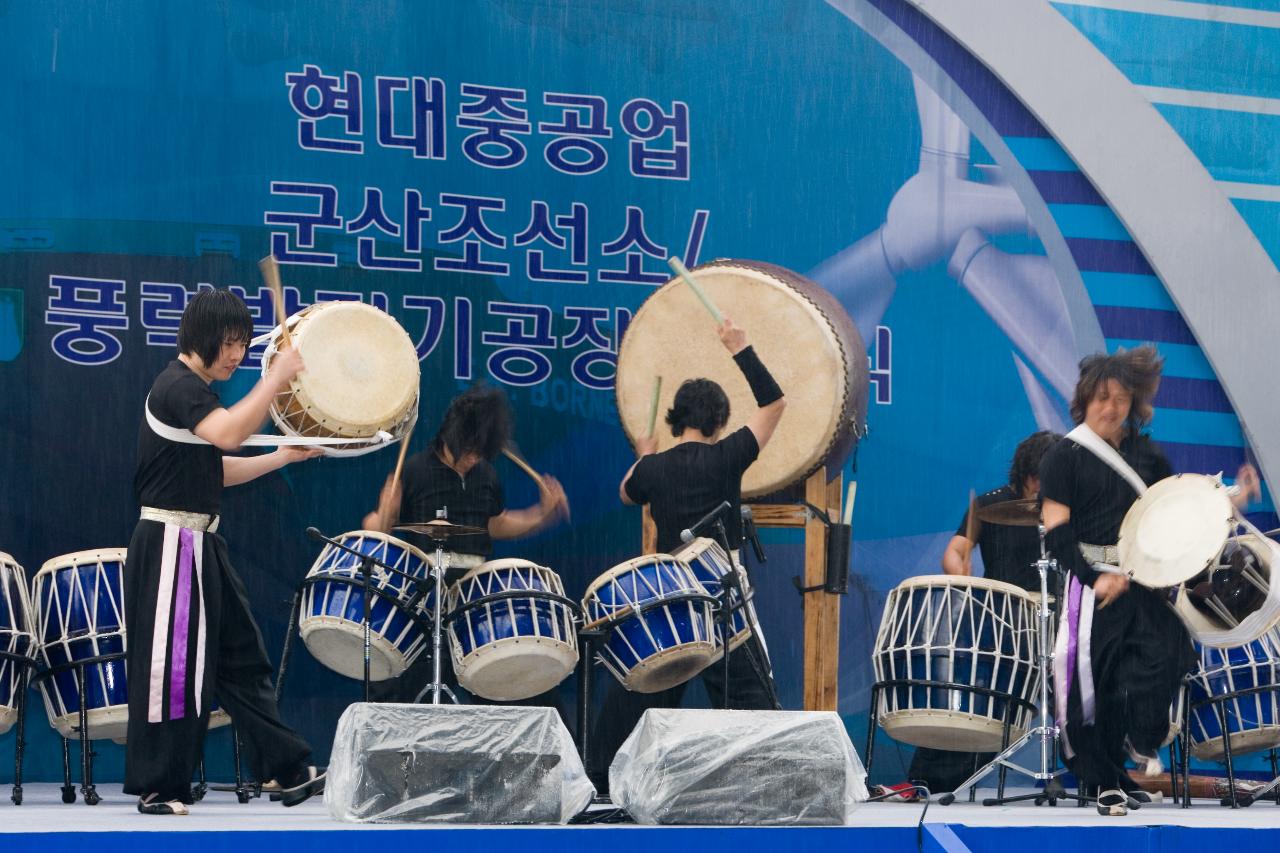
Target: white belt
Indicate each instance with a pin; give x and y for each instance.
(1103, 558)
(190, 520)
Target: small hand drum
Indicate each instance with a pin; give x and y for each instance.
(658, 647)
(940, 636)
(16, 637)
(506, 646)
(1185, 535)
(361, 378)
(331, 621)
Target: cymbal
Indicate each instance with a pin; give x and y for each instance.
(1020, 513)
(441, 529)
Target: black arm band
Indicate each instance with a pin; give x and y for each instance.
(763, 387)
(1062, 544)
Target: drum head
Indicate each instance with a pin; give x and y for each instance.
(802, 335)
(1175, 530)
(669, 668)
(516, 668)
(362, 368)
(339, 645)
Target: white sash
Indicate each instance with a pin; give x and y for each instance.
(186, 436)
(1091, 441)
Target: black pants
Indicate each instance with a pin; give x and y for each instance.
(622, 709)
(1140, 652)
(167, 725)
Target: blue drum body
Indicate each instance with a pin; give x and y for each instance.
(516, 647)
(332, 609)
(710, 564)
(79, 606)
(16, 637)
(967, 632)
(663, 646)
(1253, 719)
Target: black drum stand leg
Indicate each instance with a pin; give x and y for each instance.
(87, 788)
(243, 794)
(68, 789)
(871, 728)
(19, 747)
(1230, 798)
(288, 643)
(202, 786)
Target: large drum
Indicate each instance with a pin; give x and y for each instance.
(511, 632)
(710, 564)
(16, 637)
(78, 607)
(331, 620)
(1253, 719)
(361, 377)
(803, 336)
(660, 646)
(1184, 534)
(960, 632)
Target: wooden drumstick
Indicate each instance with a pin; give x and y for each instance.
(653, 404)
(270, 269)
(515, 457)
(971, 530)
(681, 271)
(395, 477)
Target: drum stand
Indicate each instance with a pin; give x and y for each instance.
(435, 687)
(731, 587)
(1046, 732)
(24, 666)
(1219, 705)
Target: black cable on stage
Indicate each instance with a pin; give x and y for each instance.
(924, 811)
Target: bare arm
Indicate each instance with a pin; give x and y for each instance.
(958, 558)
(227, 428)
(387, 514)
(515, 523)
(644, 447)
(242, 469)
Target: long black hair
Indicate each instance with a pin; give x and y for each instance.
(1027, 456)
(701, 404)
(212, 318)
(1138, 372)
(477, 421)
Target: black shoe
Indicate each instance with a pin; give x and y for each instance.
(1113, 803)
(1147, 798)
(310, 783)
(152, 804)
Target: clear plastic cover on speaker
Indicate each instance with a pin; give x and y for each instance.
(454, 764)
(738, 767)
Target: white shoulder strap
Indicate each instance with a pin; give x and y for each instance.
(1091, 441)
(186, 436)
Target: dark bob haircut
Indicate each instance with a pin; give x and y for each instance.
(1026, 459)
(477, 421)
(1138, 372)
(212, 318)
(701, 404)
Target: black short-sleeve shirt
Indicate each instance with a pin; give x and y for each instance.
(172, 475)
(1097, 496)
(428, 485)
(685, 482)
(1009, 553)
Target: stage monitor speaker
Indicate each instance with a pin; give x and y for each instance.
(454, 764)
(738, 767)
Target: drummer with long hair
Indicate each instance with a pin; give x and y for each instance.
(1115, 702)
(680, 485)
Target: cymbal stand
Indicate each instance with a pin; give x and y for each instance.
(436, 687)
(1046, 732)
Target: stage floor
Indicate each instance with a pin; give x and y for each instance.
(43, 823)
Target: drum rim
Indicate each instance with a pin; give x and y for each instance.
(699, 546)
(371, 534)
(965, 581)
(1141, 567)
(627, 565)
(1251, 628)
(854, 395)
(499, 564)
(80, 558)
(8, 560)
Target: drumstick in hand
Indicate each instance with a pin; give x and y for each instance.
(684, 274)
(515, 457)
(970, 532)
(395, 477)
(653, 404)
(271, 275)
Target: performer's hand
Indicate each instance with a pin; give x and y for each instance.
(733, 338)
(1108, 587)
(290, 454)
(553, 501)
(646, 445)
(286, 364)
(1250, 486)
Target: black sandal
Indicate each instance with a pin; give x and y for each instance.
(1113, 803)
(312, 783)
(152, 804)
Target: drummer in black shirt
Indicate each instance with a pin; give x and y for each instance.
(681, 485)
(1009, 554)
(455, 475)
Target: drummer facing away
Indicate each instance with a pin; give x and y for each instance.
(681, 485)
(192, 636)
(455, 475)
(1115, 702)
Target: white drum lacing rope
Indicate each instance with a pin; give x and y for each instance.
(185, 436)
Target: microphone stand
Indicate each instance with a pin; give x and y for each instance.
(367, 562)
